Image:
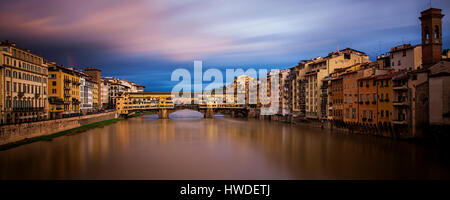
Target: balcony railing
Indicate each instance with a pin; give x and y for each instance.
(399, 121)
(20, 94)
(400, 103)
(400, 87)
(367, 102)
(374, 102)
(28, 109)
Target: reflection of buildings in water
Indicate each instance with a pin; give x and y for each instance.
(122, 134)
(166, 131)
(280, 149)
(212, 131)
(314, 154)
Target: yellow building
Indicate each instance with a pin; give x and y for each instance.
(95, 97)
(385, 98)
(63, 91)
(23, 85)
(129, 102)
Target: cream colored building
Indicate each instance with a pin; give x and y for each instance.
(406, 57)
(105, 85)
(315, 70)
(23, 91)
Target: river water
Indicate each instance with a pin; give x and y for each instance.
(220, 148)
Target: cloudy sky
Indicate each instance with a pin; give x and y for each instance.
(145, 40)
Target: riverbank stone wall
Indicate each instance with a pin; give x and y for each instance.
(17, 132)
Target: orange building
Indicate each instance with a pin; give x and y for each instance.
(337, 95)
(367, 91)
(350, 96)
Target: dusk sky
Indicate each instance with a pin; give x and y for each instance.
(144, 41)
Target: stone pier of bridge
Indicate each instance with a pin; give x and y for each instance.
(209, 113)
(163, 114)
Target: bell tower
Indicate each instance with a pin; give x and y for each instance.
(431, 36)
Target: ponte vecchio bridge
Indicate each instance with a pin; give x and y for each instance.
(164, 103)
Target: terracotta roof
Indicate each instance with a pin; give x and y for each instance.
(400, 75)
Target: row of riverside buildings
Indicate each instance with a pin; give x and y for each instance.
(406, 89)
(33, 89)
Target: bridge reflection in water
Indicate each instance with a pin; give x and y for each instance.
(223, 148)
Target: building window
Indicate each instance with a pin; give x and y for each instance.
(436, 32)
(354, 113)
(7, 86)
(404, 53)
(427, 33)
(8, 73)
(54, 83)
(399, 63)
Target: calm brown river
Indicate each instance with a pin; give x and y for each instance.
(221, 148)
